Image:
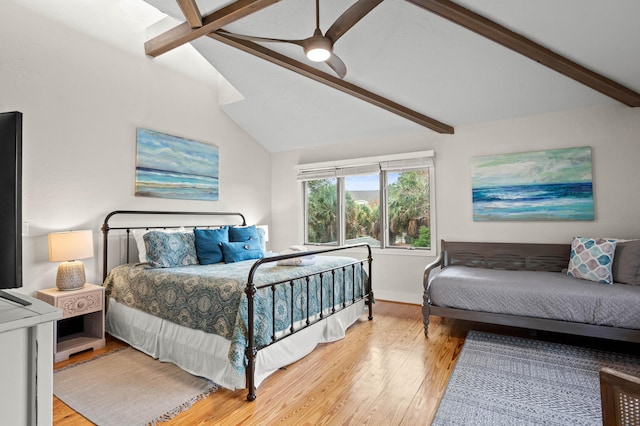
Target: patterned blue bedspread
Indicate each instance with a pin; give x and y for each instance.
(212, 298)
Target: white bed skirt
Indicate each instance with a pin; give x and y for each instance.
(206, 355)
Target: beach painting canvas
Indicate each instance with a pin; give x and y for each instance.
(541, 185)
(173, 167)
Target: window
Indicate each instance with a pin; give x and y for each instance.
(362, 209)
(408, 209)
(384, 201)
(322, 211)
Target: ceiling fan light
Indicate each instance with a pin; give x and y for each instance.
(318, 54)
(318, 48)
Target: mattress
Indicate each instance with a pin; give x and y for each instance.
(538, 294)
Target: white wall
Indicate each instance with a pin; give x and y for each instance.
(83, 99)
(612, 132)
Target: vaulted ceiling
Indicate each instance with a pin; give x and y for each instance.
(411, 65)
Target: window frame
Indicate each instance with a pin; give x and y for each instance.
(391, 163)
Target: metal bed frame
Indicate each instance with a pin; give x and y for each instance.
(251, 288)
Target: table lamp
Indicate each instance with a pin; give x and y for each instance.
(68, 247)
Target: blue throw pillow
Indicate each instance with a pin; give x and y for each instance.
(166, 250)
(243, 233)
(242, 250)
(209, 244)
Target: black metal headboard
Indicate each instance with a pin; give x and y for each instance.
(106, 228)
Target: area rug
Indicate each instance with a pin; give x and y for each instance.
(128, 387)
(503, 380)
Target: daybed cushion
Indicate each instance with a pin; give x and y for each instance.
(538, 294)
(626, 263)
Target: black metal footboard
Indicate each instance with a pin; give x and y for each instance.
(334, 304)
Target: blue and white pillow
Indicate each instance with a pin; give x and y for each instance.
(167, 250)
(138, 235)
(592, 259)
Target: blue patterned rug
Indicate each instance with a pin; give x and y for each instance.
(504, 380)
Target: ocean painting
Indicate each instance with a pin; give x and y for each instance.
(527, 186)
(172, 167)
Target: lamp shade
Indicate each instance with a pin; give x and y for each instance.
(70, 245)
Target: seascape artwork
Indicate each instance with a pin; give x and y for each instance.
(541, 185)
(173, 167)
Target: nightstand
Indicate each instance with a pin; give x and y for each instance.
(82, 323)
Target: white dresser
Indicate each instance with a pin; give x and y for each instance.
(26, 361)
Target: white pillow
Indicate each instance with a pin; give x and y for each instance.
(138, 236)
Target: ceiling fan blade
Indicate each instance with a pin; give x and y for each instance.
(350, 17)
(337, 65)
(262, 39)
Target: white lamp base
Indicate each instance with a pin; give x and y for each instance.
(70, 275)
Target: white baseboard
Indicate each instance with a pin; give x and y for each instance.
(393, 296)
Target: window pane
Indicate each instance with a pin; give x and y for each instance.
(362, 209)
(321, 214)
(408, 209)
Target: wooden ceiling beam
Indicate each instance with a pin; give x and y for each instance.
(331, 81)
(514, 41)
(184, 33)
(191, 12)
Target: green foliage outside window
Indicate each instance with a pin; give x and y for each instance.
(361, 219)
(408, 212)
(409, 209)
(322, 225)
(424, 240)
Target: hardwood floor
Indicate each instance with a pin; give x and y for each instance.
(384, 372)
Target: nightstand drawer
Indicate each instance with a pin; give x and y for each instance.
(79, 304)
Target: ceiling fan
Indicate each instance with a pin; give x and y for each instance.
(319, 47)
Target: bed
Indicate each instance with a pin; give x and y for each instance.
(232, 323)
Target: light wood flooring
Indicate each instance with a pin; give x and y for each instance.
(384, 372)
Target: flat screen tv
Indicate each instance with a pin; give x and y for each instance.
(11, 203)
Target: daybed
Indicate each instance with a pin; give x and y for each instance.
(526, 285)
(234, 321)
